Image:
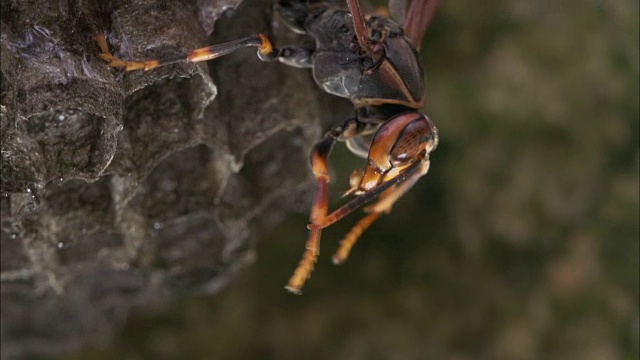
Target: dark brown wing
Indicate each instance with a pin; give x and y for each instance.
(360, 25)
(414, 16)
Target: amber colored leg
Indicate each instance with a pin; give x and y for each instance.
(306, 265)
(383, 205)
(260, 41)
(319, 158)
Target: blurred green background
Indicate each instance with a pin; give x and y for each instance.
(521, 242)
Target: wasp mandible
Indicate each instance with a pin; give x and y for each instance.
(373, 62)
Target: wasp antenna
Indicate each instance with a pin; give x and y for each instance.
(350, 239)
(365, 198)
(353, 205)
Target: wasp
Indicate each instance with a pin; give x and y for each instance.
(373, 62)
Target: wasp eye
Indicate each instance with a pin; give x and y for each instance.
(412, 141)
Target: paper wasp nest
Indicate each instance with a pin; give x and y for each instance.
(118, 189)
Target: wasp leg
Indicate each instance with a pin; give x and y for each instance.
(291, 55)
(319, 158)
(383, 205)
(295, 56)
(266, 52)
(319, 164)
(293, 13)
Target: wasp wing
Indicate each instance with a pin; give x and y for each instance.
(414, 16)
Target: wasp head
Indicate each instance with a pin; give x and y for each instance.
(399, 143)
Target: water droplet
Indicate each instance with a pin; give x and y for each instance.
(60, 245)
(61, 117)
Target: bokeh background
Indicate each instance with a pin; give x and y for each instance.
(521, 243)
